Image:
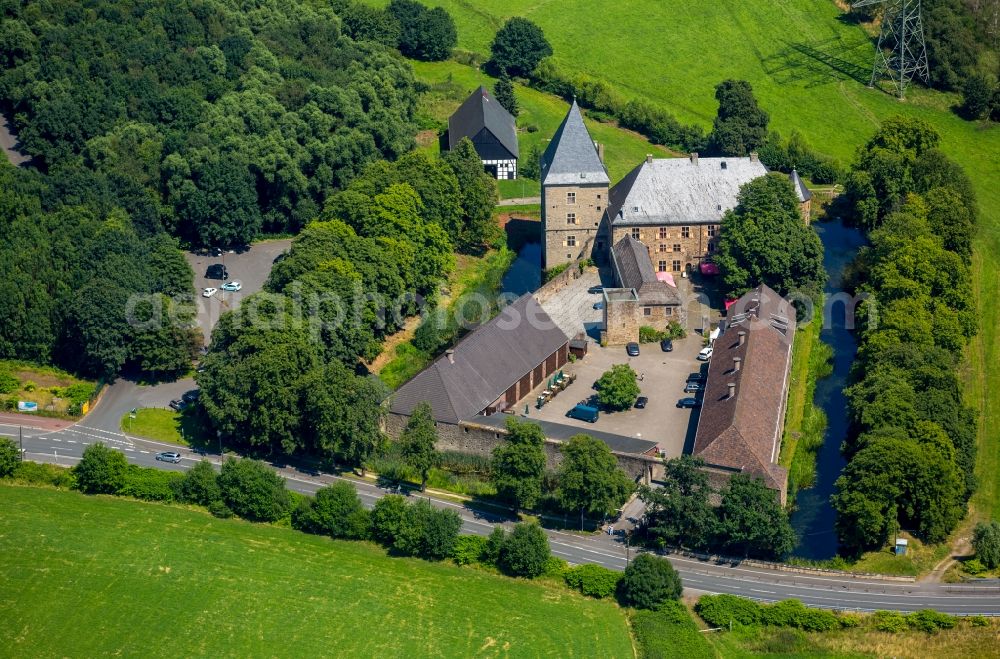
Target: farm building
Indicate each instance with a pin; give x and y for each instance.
(574, 193)
(743, 410)
(491, 128)
(491, 369)
(674, 206)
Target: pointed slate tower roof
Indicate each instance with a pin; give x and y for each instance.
(571, 157)
(801, 191)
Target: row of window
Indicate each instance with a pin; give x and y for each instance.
(662, 233)
(571, 217)
(675, 266)
(571, 198)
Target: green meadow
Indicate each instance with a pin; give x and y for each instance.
(97, 576)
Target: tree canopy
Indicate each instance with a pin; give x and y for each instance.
(425, 34)
(740, 125)
(765, 241)
(418, 440)
(590, 480)
(518, 47)
(618, 387)
(518, 464)
(648, 582)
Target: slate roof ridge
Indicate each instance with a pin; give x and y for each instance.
(481, 110)
(801, 191)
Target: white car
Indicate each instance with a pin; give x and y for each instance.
(705, 354)
(232, 286)
(209, 292)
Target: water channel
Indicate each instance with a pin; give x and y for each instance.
(814, 517)
(525, 273)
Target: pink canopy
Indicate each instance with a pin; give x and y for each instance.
(667, 277)
(731, 301)
(709, 268)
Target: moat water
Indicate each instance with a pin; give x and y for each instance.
(814, 517)
(525, 273)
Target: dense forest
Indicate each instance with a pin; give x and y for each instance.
(207, 118)
(912, 450)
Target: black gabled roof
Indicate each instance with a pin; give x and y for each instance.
(481, 111)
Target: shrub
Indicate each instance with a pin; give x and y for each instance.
(930, 621)
(721, 610)
(388, 518)
(648, 582)
(986, 542)
(101, 471)
(10, 458)
(555, 567)
(30, 386)
(849, 620)
(200, 485)
(649, 334)
(220, 509)
(491, 552)
(974, 566)
(978, 621)
(253, 490)
(554, 272)
(36, 473)
(8, 383)
(149, 484)
(889, 621)
(593, 580)
(335, 511)
(79, 393)
(669, 632)
(425, 531)
(468, 549)
(524, 551)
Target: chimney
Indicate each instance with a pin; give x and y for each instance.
(600, 151)
(737, 362)
(451, 355)
(754, 157)
(694, 157)
(743, 337)
(649, 158)
(732, 389)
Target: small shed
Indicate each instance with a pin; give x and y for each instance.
(578, 348)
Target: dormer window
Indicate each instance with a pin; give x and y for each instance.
(635, 209)
(723, 164)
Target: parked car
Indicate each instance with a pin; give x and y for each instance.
(693, 387)
(632, 349)
(216, 252)
(599, 305)
(696, 377)
(584, 413)
(640, 402)
(666, 345)
(689, 402)
(209, 292)
(191, 396)
(232, 286)
(178, 405)
(595, 289)
(705, 354)
(169, 456)
(217, 271)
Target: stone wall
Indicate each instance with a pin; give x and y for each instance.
(696, 246)
(478, 439)
(586, 204)
(621, 322)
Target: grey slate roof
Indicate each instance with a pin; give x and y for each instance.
(634, 269)
(743, 432)
(563, 432)
(681, 190)
(571, 157)
(801, 191)
(486, 363)
(481, 111)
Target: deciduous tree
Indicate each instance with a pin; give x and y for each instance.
(740, 125)
(524, 551)
(101, 470)
(418, 440)
(618, 387)
(253, 490)
(518, 47)
(648, 582)
(752, 521)
(590, 480)
(519, 464)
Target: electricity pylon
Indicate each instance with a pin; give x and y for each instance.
(901, 54)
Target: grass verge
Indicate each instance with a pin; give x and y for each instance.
(159, 424)
(180, 582)
(805, 422)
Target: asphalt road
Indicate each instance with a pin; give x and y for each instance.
(833, 591)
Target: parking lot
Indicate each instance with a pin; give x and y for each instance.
(250, 268)
(663, 374)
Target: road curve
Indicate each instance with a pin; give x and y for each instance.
(831, 591)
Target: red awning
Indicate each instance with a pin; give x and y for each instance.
(731, 301)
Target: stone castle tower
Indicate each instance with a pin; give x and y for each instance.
(574, 193)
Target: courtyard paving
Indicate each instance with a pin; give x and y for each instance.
(663, 377)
